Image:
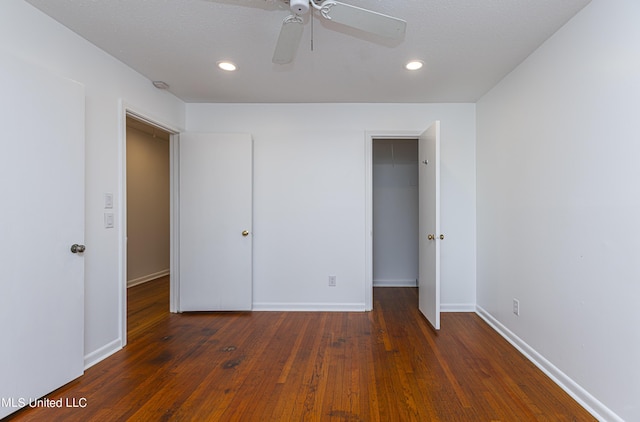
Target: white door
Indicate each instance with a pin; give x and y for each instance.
(429, 224)
(41, 216)
(216, 173)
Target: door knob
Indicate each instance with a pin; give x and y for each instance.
(245, 233)
(75, 248)
(431, 237)
(441, 237)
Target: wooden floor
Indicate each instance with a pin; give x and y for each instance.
(385, 365)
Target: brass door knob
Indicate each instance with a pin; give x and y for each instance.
(245, 233)
(431, 237)
(441, 237)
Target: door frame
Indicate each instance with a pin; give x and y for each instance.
(368, 166)
(128, 110)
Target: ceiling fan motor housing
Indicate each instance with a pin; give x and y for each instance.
(299, 7)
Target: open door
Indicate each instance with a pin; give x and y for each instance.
(216, 174)
(429, 224)
(42, 213)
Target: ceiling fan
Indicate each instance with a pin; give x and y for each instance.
(335, 11)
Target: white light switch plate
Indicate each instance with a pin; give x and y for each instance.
(108, 200)
(108, 220)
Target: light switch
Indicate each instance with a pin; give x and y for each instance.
(108, 220)
(108, 200)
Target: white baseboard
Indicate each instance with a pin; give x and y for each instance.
(149, 277)
(309, 307)
(457, 307)
(346, 307)
(579, 394)
(102, 353)
(395, 283)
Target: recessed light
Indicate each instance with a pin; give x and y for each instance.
(414, 65)
(228, 66)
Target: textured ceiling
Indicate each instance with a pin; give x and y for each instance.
(467, 47)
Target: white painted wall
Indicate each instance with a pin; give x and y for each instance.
(27, 33)
(395, 212)
(309, 195)
(559, 206)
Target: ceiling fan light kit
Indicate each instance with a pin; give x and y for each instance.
(335, 11)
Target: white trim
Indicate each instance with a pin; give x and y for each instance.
(457, 307)
(102, 353)
(396, 283)
(174, 217)
(309, 307)
(579, 394)
(145, 118)
(368, 221)
(148, 277)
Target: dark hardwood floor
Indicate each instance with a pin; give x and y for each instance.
(385, 365)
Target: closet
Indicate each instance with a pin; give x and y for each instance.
(395, 212)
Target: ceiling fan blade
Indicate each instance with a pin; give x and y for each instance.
(288, 40)
(363, 19)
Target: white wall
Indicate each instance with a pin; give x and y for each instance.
(559, 206)
(36, 38)
(395, 212)
(309, 194)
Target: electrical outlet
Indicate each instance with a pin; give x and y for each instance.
(332, 280)
(516, 306)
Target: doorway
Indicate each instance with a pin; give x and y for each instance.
(148, 204)
(395, 212)
(428, 221)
